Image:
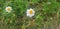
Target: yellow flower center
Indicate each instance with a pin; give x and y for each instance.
(8, 9)
(30, 12)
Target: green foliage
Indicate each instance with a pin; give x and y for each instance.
(45, 14)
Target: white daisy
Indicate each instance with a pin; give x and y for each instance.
(48, 2)
(30, 12)
(8, 9)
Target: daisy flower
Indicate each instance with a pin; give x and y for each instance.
(30, 12)
(8, 9)
(48, 2)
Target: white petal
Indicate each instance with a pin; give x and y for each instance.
(31, 15)
(33, 11)
(28, 14)
(27, 11)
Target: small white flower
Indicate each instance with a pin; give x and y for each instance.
(48, 2)
(30, 12)
(8, 9)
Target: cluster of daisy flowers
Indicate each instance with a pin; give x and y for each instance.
(30, 12)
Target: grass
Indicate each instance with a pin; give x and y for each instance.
(47, 15)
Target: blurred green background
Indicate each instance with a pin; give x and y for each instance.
(47, 14)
